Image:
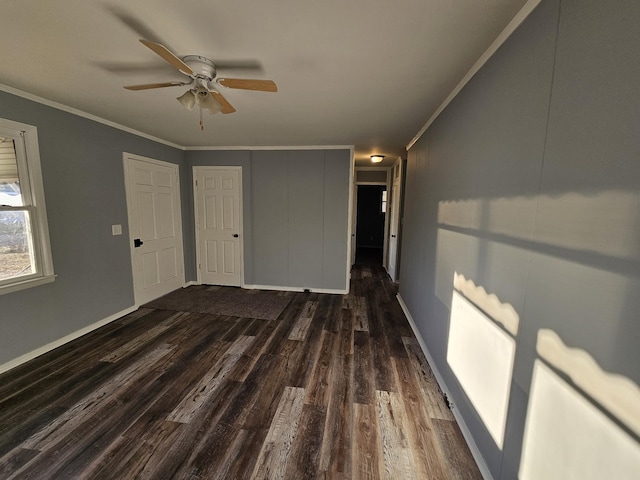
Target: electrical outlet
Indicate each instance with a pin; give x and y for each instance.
(116, 229)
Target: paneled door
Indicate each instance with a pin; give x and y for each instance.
(219, 225)
(155, 227)
(394, 221)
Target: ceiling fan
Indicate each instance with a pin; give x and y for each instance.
(201, 72)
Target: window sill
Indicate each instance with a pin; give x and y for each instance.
(32, 282)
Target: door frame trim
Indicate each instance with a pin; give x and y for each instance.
(194, 178)
(354, 212)
(398, 222)
(125, 157)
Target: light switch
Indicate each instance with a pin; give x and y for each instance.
(116, 229)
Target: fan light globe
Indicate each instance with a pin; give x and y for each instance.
(210, 103)
(188, 99)
(377, 158)
(205, 99)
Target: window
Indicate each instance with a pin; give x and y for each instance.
(25, 252)
(384, 201)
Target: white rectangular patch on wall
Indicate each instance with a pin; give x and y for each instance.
(567, 434)
(481, 356)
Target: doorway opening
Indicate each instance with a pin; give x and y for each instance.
(370, 223)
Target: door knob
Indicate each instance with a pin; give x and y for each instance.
(137, 242)
(235, 235)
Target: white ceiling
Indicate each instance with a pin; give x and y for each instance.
(367, 73)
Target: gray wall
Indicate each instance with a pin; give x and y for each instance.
(84, 188)
(372, 176)
(234, 158)
(295, 215)
(539, 158)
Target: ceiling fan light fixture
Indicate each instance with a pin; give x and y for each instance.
(205, 99)
(187, 99)
(377, 158)
(213, 107)
(202, 75)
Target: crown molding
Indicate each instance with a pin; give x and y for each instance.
(80, 113)
(511, 27)
(272, 147)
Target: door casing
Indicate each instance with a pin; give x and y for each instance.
(395, 208)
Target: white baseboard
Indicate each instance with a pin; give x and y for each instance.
(283, 289)
(295, 289)
(61, 341)
(466, 433)
(190, 284)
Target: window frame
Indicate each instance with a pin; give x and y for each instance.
(32, 190)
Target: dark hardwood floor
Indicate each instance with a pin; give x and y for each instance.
(336, 387)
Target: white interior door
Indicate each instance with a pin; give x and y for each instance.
(155, 226)
(354, 223)
(394, 222)
(219, 225)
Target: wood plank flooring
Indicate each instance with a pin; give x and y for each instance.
(335, 388)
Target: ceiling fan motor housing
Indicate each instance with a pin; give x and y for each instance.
(202, 66)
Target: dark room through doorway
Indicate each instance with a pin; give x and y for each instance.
(370, 220)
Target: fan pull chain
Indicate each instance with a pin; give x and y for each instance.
(201, 122)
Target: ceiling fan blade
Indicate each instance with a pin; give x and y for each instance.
(136, 24)
(226, 106)
(132, 68)
(248, 84)
(164, 52)
(148, 86)
(245, 65)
